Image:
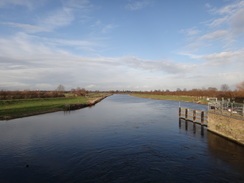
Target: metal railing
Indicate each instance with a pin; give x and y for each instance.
(226, 107)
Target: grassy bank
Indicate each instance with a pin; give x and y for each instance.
(172, 97)
(10, 109)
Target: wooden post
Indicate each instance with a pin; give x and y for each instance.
(202, 117)
(194, 115)
(180, 112)
(186, 114)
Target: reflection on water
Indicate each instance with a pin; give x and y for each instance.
(222, 150)
(227, 151)
(121, 139)
(194, 128)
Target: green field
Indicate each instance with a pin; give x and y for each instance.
(172, 97)
(10, 109)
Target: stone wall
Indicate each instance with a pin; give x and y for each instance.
(227, 126)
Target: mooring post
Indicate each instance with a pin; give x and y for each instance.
(194, 115)
(202, 117)
(180, 112)
(186, 114)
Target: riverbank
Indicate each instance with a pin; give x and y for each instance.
(172, 97)
(11, 109)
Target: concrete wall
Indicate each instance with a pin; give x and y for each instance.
(226, 126)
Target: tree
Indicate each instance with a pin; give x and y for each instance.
(81, 92)
(60, 88)
(224, 87)
(240, 86)
(213, 89)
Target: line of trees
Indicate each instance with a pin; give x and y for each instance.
(224, 92)
(27, 94)
(78, 91)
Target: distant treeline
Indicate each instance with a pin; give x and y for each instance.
(237, 96)
(27, 94)
(224, 92)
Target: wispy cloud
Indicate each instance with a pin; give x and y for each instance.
(31, 62)
(226, 26)
(214, 35)
(219, 58)
(59, 18)
(230, 15)
(22, 44)
(191, 32)
(237, 22)
(108, 28)
(218, 21)
(223, 58)
(77, 4)
(26, 3)
(62, 16)
(26, 27)
(100, 27)
(138, 4)
(230, 8)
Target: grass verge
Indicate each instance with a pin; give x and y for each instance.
(10, 109)
(172, 97)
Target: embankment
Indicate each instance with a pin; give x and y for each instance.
(88, 104)
(226, 126)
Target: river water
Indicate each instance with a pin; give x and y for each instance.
(120, 139)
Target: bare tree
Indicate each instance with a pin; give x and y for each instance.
(240, 86)
(60, 88)
(224, 87)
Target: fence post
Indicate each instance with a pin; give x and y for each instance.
(194, 115)
(202, 117)
(186, 114)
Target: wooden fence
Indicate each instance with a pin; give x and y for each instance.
(199, 117)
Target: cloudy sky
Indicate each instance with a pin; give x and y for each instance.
(121, 44)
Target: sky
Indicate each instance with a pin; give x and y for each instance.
(138, 45)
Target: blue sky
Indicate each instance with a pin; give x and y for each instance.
(121, 44)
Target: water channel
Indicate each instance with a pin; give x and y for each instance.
(120, 139)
